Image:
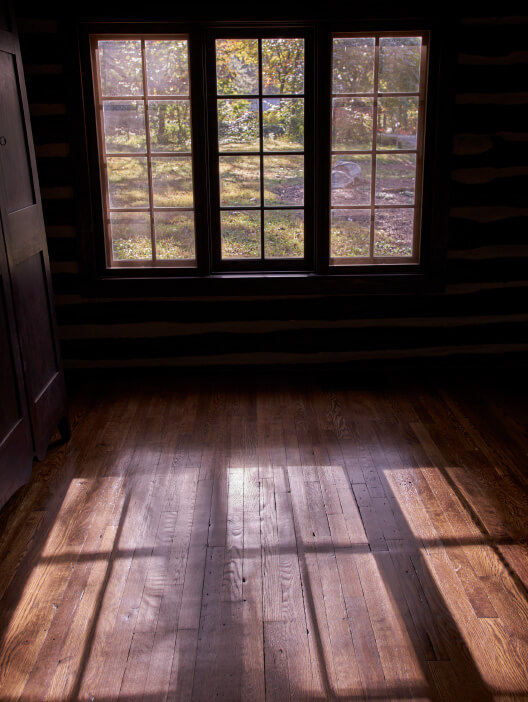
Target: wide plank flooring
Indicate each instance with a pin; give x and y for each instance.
(273, 538)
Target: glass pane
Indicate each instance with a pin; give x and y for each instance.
(240, 234)
(167, 67)
(393, 232)
(130, 236)
(124, 126)
(283, 234)
(174, 235)
(239, 180)
(128, 182)
(121, 67)
(283, 124)
(283, 180)
(399, 64)
(350, 235)
(172, 182)
(237, 66)
(397, 123)
(282, 66)
(351, 179)
(395, 174)
(238, 125)
(352, 124)
(170, 125)
(353, 65)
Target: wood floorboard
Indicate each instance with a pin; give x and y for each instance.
(270, 539)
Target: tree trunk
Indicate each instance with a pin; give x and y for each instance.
(162, 135)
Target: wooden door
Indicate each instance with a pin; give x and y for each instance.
(26, 250)
(16, 449)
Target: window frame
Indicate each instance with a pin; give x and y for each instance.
(413, 260)
(150, 154)
(320, 277)
(270, 265)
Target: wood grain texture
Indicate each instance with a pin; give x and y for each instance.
(201, 538)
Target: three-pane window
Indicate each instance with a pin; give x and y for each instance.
(261, 151)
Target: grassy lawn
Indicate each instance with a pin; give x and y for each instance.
(139, 249)
(240, 234)
(350, 233)
(172, 182)
(131, 240)
(392, 233)
(240, 186)
(284, 234)
(395, 179)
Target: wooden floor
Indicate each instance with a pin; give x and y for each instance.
(261, 538)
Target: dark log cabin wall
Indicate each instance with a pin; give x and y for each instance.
(481, 317)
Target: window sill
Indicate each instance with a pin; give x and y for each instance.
(247, 284)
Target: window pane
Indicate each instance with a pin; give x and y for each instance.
(146, 165)
(239, 180)
(393, 232)
(352, 124)
(167, 67)
(130, 236)
(175, 235)
(395, 176)
(397, 123)
(281, 129)
(121, 67)
(283, 124)
(128, 182)
(350, 235)
(238, 125)
(359, 68)
(283, 180)
(399, 64)
(351, 179)
(282, 66)
(240, 234)
(172, 182)
(237, 66)
(170, 125)
(353, 65)
(284, 234)
(124, 126)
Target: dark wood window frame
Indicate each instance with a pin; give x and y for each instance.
(305, 264)
(377, 150)
(318, 276)
(147, 153)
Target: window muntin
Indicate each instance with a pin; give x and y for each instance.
(260, 106)
(378, 100)
(145, 150)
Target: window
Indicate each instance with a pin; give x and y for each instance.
(238, 152)
(260, 152)
(145, 150)
(378, 84)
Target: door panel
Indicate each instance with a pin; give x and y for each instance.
(16, 449)
(10, 409)
(13, 140)
(34, 325)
